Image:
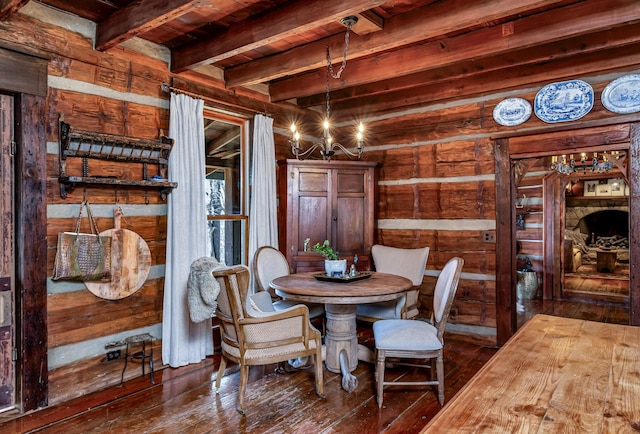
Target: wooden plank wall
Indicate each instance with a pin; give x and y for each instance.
(440, 193)
(118, 92)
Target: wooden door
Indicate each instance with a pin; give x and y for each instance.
(312, 204)
(7, 304)
(352, 218)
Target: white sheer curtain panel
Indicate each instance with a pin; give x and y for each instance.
(263, 228)
(183, 341)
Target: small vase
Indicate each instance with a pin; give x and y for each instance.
(335, 268)
(527, 285)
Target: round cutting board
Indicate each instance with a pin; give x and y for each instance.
(130, 264)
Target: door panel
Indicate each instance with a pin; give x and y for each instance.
(7, 304)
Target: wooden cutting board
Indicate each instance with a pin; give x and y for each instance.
(130, 263)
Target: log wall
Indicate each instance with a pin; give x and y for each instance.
(115, 92)
(437, 188)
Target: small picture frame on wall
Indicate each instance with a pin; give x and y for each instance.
(603, 190)
(590, 188)
(617, 186)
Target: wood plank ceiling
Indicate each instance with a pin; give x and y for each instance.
(401, 53)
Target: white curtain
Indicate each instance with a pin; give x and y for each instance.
(263, 227)
(183, 341)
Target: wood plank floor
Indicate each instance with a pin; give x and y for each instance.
(183, 400)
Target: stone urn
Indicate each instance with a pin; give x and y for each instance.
(527, 286)
(335, 268)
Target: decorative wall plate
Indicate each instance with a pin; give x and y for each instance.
(622, 95)
(512, 111)
(563, 101)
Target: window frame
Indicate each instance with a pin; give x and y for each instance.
(243, 215)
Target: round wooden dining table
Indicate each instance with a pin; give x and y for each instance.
(340, 300)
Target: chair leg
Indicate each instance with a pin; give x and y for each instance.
(317, 366)
(223, 366)
(434, 377)
(440, 369)
(380, 375)
(242, 388)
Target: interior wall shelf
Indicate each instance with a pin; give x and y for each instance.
(91, 145)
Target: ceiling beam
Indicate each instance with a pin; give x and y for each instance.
(10, 7)
(222, 141)
(581, 45)
(137, 18)
(570, 21)
(427, 22)
(253, 33)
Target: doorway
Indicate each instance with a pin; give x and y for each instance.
(591, 216)
(508, 151)
(596, 238)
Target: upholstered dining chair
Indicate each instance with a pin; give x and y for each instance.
(253, 334)
(416, 339)
(268, 264)
(409, 263)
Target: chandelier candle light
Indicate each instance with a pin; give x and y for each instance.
(593, 164)
(328, 147)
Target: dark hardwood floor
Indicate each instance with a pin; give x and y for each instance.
(592, 310)
(184, 401)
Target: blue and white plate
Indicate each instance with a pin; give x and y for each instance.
(512, 111)
(564, 101)
(622, 95)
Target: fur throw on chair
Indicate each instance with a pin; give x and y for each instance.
(202, 289)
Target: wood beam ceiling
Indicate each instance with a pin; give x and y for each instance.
(571, 21)
(427, 22)
(431, 82)
(253, 33)
(138, 18)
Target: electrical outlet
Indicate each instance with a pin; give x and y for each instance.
(113, 355)
(489, 237)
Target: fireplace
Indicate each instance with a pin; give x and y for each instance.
(604, 226)
(608, 229)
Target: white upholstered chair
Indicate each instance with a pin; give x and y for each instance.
(416, 339)
(409, 263)
(269, 263)
(254, 334)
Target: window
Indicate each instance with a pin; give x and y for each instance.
(225, 187)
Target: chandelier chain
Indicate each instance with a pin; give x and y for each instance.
(344, 56)
(327, 97)
(330, 71)
(328, 146)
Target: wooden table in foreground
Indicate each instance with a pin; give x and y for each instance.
(341, 300)
(555, 375)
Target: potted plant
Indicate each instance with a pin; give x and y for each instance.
(333, 265)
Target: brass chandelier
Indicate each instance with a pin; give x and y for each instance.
(327, 147)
